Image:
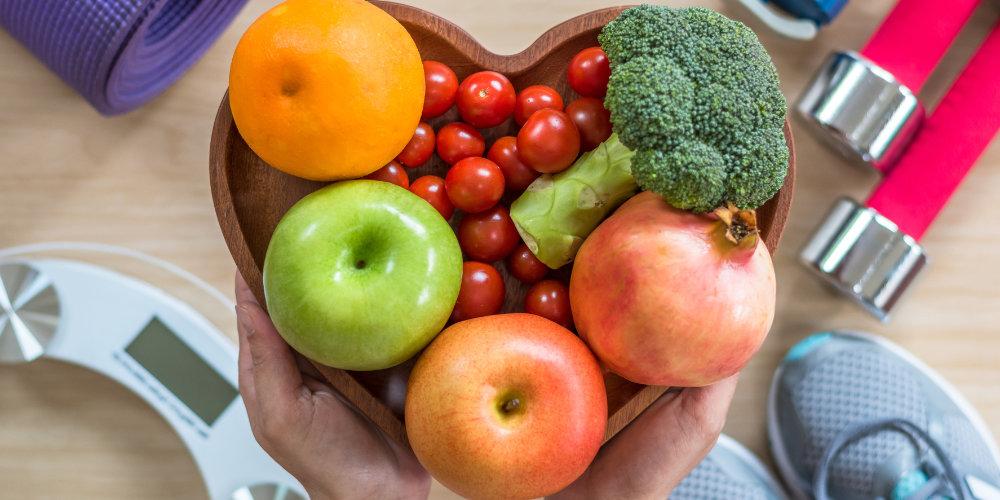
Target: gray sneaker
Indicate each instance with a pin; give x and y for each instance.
(854, 416)
(730, 471)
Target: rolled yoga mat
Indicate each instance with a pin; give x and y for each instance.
(118, 54)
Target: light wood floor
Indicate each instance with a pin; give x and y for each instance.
(142, 181)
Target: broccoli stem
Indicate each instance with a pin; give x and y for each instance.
(557, 212)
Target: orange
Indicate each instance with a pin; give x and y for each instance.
(326, 89)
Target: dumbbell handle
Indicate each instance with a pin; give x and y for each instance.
(947, 146)
(914, 37)
(871, 253)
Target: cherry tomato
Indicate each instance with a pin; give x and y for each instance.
(440, 88)
(549, 299)
(485, 99)
(459, 140)
(534, 98)
(525, 266)
(549, 141)
(419, 149)
(431, 189)
(488, 236)
(589, 71)
(474, 184)
(591, 119)
(393, 172)
(481, 293)
(516, 174)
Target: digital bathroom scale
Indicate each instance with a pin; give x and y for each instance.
(152, 343)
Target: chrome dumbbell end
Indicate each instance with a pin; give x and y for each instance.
(860, 109)
(865, 256)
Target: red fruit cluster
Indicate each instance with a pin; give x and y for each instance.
(550, 140)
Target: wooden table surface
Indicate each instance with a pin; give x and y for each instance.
(141, 181)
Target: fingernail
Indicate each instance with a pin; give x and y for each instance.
(243, 315)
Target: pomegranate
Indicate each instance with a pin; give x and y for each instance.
(672, 298)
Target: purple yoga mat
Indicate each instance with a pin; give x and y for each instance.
(118, 54)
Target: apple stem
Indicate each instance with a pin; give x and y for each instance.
(511, 405)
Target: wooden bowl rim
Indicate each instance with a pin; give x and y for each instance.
(508, 64)
(512, 64)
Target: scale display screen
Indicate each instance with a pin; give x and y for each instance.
(182, 371)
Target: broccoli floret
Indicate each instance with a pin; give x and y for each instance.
(698, 118)
(665, 111)
(692, 90)
(686, 177)
(758, 164)
(634, 34)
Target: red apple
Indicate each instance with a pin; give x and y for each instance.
(662, 297)
(511, 405)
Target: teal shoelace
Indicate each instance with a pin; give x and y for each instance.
(944, 481)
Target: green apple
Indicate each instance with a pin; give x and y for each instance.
(361, 275)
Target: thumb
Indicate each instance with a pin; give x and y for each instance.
(277, 381)
(651, 456)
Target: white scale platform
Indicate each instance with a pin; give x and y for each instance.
(155, 345)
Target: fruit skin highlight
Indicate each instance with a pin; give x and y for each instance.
(326, 89)
(662, 297)
(466, 428)
(361, 275)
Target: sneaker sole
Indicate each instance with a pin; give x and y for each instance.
(761, 470)
(780, 455)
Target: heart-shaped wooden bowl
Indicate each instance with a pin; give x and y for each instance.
(250, 197)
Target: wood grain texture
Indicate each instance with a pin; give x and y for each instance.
(251, 197)
(140, 180)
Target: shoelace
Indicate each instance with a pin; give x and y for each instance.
(917, 435)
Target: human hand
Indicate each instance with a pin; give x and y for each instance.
(307, 426)
(336, 452)
(650, 457)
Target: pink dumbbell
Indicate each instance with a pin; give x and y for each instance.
(870, 252)
(865, 104)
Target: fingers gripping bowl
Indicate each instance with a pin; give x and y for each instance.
(251, 197)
